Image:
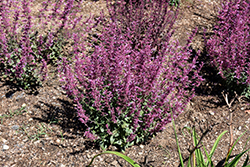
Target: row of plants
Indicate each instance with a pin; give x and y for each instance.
(196, 158)
(135, 75)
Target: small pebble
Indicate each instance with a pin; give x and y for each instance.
(5, 147)
(141, 146)
(239, 128)
(19, 96)
(58, 141)
(15, 127)
(88, 156)
(114, 163)
(36, 142)
(211, 112)
(23, 105)
(3, 140)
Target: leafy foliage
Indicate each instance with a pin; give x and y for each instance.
(25, 51)
(174, 2)
(197, 158)
(229, 48)
(124, 90)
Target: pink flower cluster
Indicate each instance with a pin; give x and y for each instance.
(135, 76)
(229, 48)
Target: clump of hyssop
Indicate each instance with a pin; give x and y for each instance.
(229, 47)
(126, 88)
(25, 51)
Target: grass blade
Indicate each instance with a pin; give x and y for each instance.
(176, 138)
(246, 161)
(199, 156)
(129, 160)
(214, 147)
(236, 159)
(227, 158)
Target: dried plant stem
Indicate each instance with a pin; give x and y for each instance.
(230, 118)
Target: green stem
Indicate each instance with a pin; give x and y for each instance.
(176, 138)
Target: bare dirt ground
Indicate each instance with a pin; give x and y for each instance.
(47, 132)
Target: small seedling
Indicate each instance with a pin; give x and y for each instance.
(54, 121)
(24, 129)
(12, 114)
(168, 153)
(41, 130)
(61, 136)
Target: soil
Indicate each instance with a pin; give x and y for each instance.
(46, 132)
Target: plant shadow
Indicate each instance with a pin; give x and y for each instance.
(67, 119)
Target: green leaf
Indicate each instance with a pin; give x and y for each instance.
(129, 131)
(227, 158)
(102, 129)
(176, 138)
(92, 108)
(131, 143)
(112, 139)
(214, 147)
(129, 160)
(118, 142)
(198, 153)
(246, 161)
(236, 159)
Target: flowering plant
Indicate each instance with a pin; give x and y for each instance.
(124, 89)
(229, 48)
(25, 51)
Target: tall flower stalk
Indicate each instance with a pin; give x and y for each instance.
(124, 90)
(25, 51)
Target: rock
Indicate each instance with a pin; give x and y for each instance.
(100, 159)
(5, 147)
(89, 156)
(37, 142)
(115, 163)
(23, 105)
(211, 112)
(64, 92)
(3, 140)
(15, 127)
(19, 96)
(141, 146)
(58, 141)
